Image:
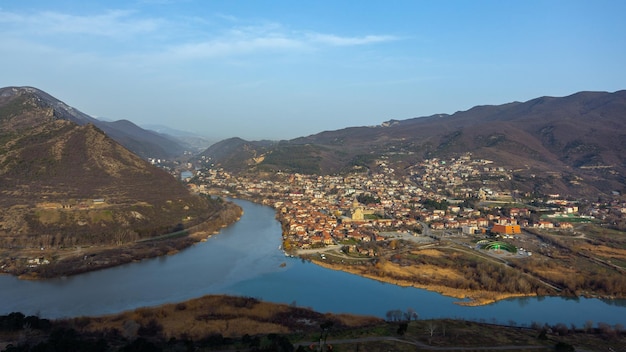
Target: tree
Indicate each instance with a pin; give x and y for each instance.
(606, 329)
(280, 343)
(431, 327)
(562, 346)
(394, 315)
(367, 199)
(410, 314)
(561, 329)
(431, 204)
(402, 328)
(325, 327)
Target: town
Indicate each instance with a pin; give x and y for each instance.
(456, 196)
(449, 225)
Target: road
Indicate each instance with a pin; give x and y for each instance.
(420, 345)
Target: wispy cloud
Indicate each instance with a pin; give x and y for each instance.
(223, 47)
(171, 38)
(116, 23)
(336, 40)
(268, 37)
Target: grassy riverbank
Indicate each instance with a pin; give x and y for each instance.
(467, 297)
(231, 323)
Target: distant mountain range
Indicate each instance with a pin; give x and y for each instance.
(574, 145)
(145, 143)
(192, 141)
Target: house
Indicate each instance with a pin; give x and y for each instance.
(506, 221)
(469, 230)
(545, 225)
(482, 222)
(437, 226)
(452, 224)
(566, 226)
(326, 238)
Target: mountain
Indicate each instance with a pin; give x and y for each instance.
(190, 140)
(579, 139)
(235, 154)
(66, 184)
(142, 142)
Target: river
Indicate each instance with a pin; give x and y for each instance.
(244, 259)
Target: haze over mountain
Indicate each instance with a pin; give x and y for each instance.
(574, 144)
(190, 140)
(144, 143)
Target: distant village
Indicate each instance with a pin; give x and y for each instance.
(316, 211)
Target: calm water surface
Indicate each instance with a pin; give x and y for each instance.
(244, 259)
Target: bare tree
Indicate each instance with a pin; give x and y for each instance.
(394, 315)
(389, 315)
(561, 329)
(606, 329)
(431, 328)
(410, 314)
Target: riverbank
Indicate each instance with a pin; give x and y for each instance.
(67, 262)
(467, 297)
(219, 322)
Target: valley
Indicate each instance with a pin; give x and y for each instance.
(480, 220)
(312, 176)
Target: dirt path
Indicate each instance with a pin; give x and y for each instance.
(421, 345)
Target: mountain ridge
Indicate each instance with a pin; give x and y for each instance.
(145, 143)
(580, 136)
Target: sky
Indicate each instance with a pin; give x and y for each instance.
(285, 69)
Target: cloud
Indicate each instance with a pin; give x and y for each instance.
(220, 47)
(268, 37)
(335, 40)
(165, 39)
(115, 23)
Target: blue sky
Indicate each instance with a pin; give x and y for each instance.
(283, 69)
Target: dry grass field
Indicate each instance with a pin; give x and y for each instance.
(226, 323)
(225, 315)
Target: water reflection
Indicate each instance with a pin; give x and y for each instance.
(523, 301)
